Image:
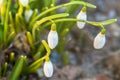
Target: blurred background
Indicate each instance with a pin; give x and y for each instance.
(85, 62)
(79, 60)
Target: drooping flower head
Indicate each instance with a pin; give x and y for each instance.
(48, 68)
(82, 16)
(100, 40)
(53, 37)
(28, 14)
(24, 2)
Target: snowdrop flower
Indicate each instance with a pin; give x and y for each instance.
(82, 16)
(99, 41)
(1, 3)
(53, 37)
(28, 14)
(48, 69)
(24, 2)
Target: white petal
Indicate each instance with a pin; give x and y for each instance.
(28, 14)
(1, 2)
(52, 39)
(99, 41)
(82, 16)
(24, 2)
(48, 69)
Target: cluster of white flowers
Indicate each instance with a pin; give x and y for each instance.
(24, 2)
(100, 39)
(53, 37)
(52, 42)
(48, 68)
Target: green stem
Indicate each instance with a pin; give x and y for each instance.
(35, 65)
(61, 20)
(63, 5)
(36, 62)
(45, 19)
(103, 23)
(5, 68)
(46, 47)
(96, 24)
(53, 3)
(12, 57)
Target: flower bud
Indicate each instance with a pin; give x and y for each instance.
(24, 2)
(28, 14)
(82, 16)
(53, 37)
(99, 41)
(48, 68)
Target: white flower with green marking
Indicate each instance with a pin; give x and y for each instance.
(82, 16)
(99, 41)
(48, 69)
(53, 37)
(28, 14)
(24, 2)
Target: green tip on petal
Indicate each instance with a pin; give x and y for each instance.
(53, 27)
(103, 31)
(47, 59)
(84, 9)
(115, 20)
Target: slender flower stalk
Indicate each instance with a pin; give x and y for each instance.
(53, 37)
(48, 68)
(99, 40)
(82, 16)
(28, 14)
(24, 2)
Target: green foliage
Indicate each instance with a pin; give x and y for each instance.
(17, 69)
(13, 24)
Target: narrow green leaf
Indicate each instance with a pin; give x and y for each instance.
(103, 23)
(39, 52)
(1, 33)
(11, 22)
(15, 74)
(34, 66)
(0, 70)
(63, 5)
(35, 12)
(10, 37)
(107, 22)
(6, 22)
(47, 3)
(30, 39)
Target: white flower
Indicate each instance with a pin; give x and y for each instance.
(52, 39)
(24, 2)
(28, 14)
(48, 69)
(99, 41)
(82, 16)
(1, 3)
